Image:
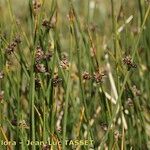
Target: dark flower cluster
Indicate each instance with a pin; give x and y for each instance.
(96, 76)
(64, 64)
(128, 61)
(40, 56)
(56, 81)
(86, 76)
(40, 66)
(48, 24)
(21, 123)
(10, 48)
(36, 6)
(37, 83)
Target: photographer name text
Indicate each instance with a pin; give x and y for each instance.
(67, 142)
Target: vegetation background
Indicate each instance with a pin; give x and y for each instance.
(75, 69)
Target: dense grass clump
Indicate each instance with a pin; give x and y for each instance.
(74, 74)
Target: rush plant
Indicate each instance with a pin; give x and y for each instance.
(74, 74)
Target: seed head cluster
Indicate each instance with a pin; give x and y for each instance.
(36, 6)
(128, 61)
(56, 81)
(86, 76)
(48, 24)
(40, 57)
(10, 48)
(97, 76)
(37, 83)
(40, 68)
(21, 123)
(64, 64)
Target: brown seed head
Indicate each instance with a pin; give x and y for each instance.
(98, 76)
(40, 68)
(64, 64)
(39, 55)
(86, 76)
(37, 83)
(46, 24)
(128, 61)
(36, 6)
(56, 81)
(10, 48)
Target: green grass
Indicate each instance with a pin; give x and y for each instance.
(79, 74)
